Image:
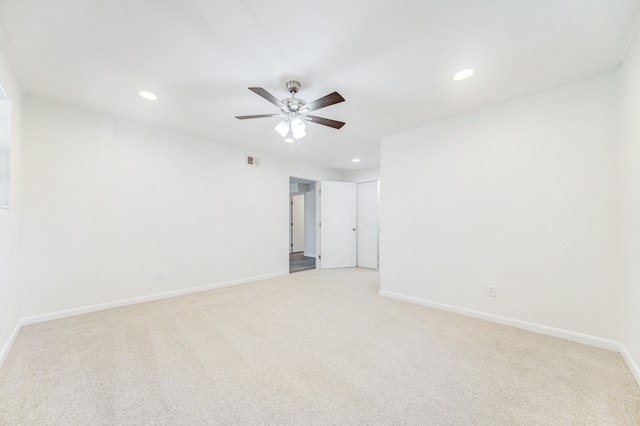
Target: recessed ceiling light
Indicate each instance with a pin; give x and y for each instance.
(463, 75)
(356, 160)
(148, 95)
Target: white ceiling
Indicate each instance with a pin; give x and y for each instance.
(391, 60)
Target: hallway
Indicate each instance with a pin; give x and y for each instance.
(299, 262)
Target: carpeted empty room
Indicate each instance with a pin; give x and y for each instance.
(316, 347)
(339, 212)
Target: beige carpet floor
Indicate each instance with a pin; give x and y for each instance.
(314, 348)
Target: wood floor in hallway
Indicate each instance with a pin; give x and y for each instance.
(299, 262)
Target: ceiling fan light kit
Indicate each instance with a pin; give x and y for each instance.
(297, 127)
(295, 110)
(283, 128)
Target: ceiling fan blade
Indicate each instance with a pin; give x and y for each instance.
(245, 117)
(325, 101)
(324, 121)
(268, 96)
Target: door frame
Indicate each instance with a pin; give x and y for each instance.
(315, 233)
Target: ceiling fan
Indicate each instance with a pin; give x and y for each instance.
(295, 111)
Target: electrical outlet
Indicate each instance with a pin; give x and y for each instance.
(491, 291)
(159, 276)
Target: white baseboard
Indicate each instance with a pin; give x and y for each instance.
(551, 331)
(125, 302)
(631, 363)
(599, 342)
(309, 254)
(9, 344)
(586, 339)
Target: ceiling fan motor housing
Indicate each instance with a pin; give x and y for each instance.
(293, 104)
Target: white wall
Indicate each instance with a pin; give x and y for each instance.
(364, 175)
(108, 203)
(310, 227)
(298, 223)
(10, 218)
(523, 196)
(630, 156)
(5, 157)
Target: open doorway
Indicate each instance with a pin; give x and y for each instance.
(302, 230)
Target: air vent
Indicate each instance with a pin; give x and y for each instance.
(253, 161)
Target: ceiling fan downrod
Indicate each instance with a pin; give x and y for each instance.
(293, 105)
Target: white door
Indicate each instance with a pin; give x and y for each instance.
(367, 234)
(297, 223)
(337, 225)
